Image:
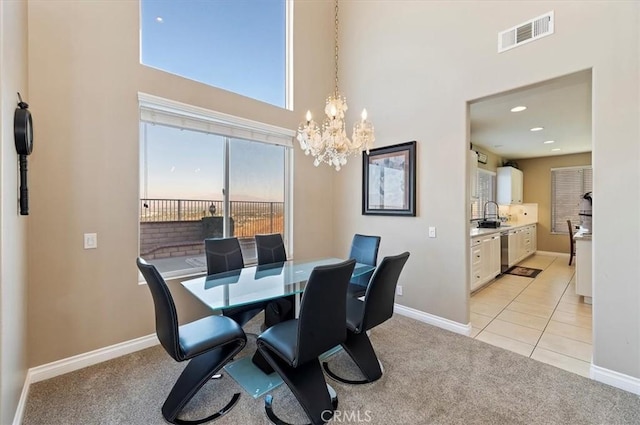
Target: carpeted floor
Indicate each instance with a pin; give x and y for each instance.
(431, 376)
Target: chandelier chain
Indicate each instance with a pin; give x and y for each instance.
(336, 46)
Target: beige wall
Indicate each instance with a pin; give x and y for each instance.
(415, 65)
(493, 161)
(537, 189)
(13, 227)
(84, 76)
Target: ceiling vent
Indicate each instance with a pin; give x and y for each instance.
(523, 33)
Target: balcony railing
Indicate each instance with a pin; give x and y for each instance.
(249, 217)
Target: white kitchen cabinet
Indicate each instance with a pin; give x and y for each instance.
(476, 263)
(509, 181)
(534, 238)
(494, 268)
(521, 244)
(485, 259)
(515, 246)
(584, 264)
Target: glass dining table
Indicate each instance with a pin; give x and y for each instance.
(254, 284)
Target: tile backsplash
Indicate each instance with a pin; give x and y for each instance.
(520, 214)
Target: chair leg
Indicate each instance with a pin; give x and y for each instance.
(240, 316)
(197, 372)
(307, 384)
(359, 348)
(268, 407)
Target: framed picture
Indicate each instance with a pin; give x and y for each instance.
(389, 180)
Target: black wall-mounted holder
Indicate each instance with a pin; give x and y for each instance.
(23, 135)
(24, 188)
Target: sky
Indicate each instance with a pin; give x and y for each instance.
(185, 164)
(237, 45)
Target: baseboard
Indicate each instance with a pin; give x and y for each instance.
(17, 419)
(555, 254)
(70, 364)
(60, 367)
(615, 379)
(431, 319)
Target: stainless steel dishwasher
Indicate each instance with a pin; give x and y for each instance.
(507, 239)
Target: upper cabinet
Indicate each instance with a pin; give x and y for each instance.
(509, 185)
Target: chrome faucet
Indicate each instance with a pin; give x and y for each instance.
(484, 210)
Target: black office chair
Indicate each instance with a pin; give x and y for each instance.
(364, 249)
(209, 343)
(376, 308)
(292, 348)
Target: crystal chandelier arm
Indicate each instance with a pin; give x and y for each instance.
(330, 144)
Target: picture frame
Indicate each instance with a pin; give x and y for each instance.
(389, 180)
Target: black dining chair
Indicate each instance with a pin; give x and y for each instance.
(364, 249)
(376, 308)
(292, 348)
(572, 242)
(209, 343)
(223, 255)
(270, 249)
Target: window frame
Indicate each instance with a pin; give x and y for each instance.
(552, 205)
(157, 110)
(492, 175)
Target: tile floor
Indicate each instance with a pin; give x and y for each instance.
(541, 318)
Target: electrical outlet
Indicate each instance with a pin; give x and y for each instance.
(90, 240)
(399, 290)
(432, 232)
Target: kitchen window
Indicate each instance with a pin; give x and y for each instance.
(486, 192)
(205, 174)
(568, 185)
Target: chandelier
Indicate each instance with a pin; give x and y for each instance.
(330, 144)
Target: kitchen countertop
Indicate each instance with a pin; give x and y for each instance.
(582, 235)
(475, 231)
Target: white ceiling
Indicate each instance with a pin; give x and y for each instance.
(562, 106)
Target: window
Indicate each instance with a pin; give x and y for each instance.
(486, 192)
(567, 187)
(239, 46)
(205, 174)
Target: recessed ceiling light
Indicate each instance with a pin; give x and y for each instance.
(549, 142)
(159, 19)
(537, 129)
(518, 109)
(555, 149)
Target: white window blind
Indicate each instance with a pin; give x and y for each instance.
(567, 187)
(486, 192)
(156, 110)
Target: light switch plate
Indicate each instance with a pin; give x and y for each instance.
(399, 290)
(432, 232)
(90, 240)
